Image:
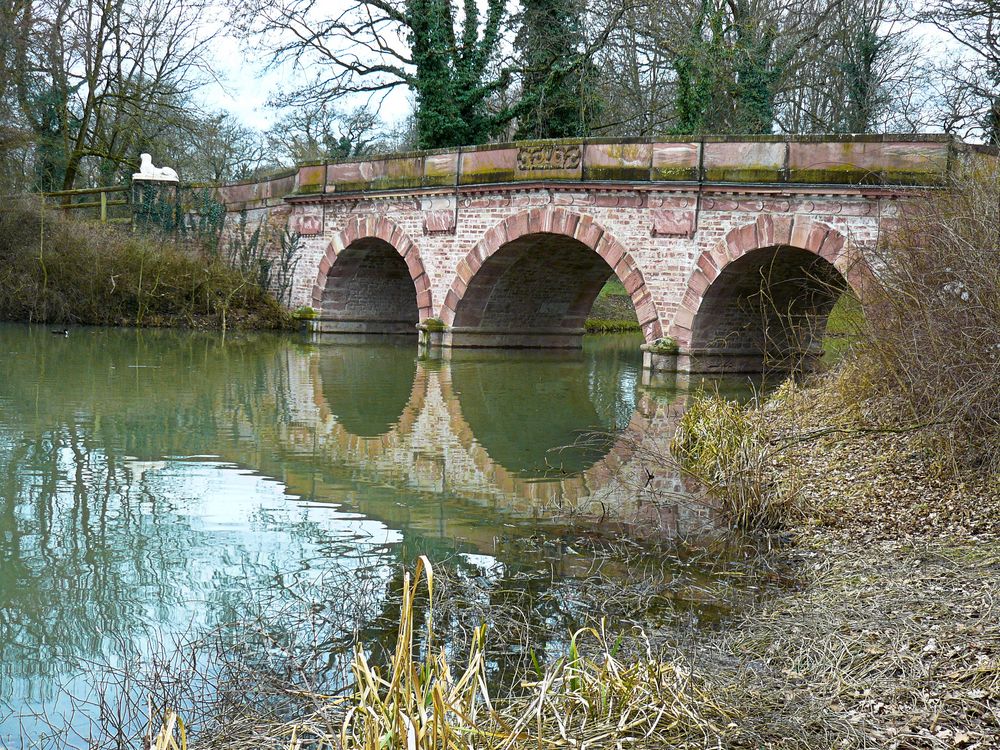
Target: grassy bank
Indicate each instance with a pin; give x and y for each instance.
(612, 311)
(57, 270)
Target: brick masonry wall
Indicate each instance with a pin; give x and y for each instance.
(667, 246)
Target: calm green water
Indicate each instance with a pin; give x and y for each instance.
(159, 483)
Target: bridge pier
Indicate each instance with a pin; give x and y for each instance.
(372, 327)
(462, 337)
(730, 362)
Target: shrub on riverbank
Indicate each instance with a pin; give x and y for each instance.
(929, 347)
(55, 269)
(727, 446)
(825, 455)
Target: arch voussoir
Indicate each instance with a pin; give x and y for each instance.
(588, 231)
(611, 250)
(765, 230)
(708, 266)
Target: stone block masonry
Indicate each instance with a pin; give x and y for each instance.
(734, 247)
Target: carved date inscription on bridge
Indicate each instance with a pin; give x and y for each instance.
(532, 158)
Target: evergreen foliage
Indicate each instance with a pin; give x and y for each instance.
(453, 79)
(727, 73)
(556, 101)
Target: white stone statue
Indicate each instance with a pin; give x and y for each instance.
(148, 172)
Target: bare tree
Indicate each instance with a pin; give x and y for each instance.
(971, 79)
(869, 79)
(638, 81)
(217, 148)
(447, 56)
(317, 131)
(101, 78)
(16, 25)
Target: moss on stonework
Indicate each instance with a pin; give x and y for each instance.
(744, 174)
(673, 174)
(433, 325)
(849, 174)
(310, 189)
(438, 180)
(487, 175)
(666, 346)
(618, 174)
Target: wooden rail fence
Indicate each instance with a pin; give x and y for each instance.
(106, 197)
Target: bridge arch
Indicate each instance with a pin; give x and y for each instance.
(760, 298)
(371, 279)
(491, 287)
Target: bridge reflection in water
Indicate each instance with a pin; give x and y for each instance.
(530, 433)
(155, 481)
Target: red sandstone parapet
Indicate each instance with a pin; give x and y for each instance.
(910, 160)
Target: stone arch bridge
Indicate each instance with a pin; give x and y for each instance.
(736, 248)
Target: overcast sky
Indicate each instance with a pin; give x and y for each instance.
(245, 86)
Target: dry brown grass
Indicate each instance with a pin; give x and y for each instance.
(729, 447)
(588, 698)
(55, 269)
(887, 645)
(930, 342)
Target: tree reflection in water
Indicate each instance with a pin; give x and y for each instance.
(270, 492)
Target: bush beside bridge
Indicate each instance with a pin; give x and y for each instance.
(58, 270)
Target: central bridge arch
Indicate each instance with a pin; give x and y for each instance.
(533, 279)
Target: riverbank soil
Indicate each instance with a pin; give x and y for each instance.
(892, 639)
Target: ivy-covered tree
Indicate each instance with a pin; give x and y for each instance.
(728, 69)
(701, 74)
(556, 100)
(446, 55)
(451, 76)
